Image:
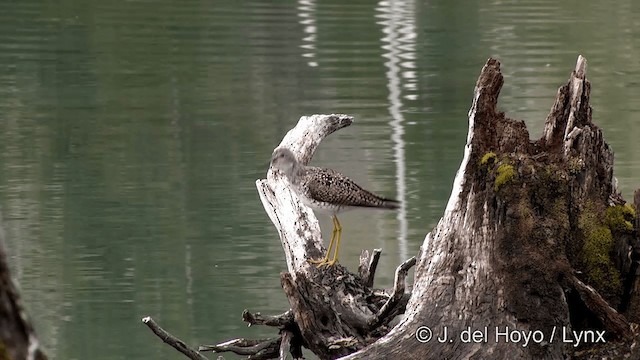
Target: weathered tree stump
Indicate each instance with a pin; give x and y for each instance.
(526, 242)
(536, 255)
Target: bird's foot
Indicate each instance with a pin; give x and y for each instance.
(331, 262)
(322, 262)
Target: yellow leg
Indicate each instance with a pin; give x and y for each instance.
(338, 228)
(325, 260)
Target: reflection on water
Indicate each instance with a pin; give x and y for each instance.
(399, 43)
(131, 135)
(306, 12)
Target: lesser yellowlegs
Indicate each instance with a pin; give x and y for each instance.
(328, 191)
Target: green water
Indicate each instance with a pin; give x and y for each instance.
(131, 135)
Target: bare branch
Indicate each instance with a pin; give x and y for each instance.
(610, 318)
(282, 320)
(398, 292)
(368, 266)
(172, 340)
(253, 349)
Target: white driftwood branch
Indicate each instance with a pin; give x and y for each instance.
(297, 225)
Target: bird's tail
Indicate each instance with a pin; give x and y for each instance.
(390, 204)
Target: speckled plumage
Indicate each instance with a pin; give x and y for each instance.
(326, 190)
(329, 190)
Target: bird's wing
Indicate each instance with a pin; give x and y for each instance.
(330, 186)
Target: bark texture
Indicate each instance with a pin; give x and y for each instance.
(529, 240)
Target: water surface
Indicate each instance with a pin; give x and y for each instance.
(131, 135)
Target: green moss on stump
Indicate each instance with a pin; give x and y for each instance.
(504, 174)
(620, 218)
(596, 251)
(488, 158)
(598, 264)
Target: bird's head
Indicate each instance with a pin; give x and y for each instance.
(284, 160)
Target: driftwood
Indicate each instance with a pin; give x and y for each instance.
(171, 340)
(18, 338)
(335, 311)
(536, 255)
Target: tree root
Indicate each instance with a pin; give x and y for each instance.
(386, 304)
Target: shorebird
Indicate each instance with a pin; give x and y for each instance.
(328, 191)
